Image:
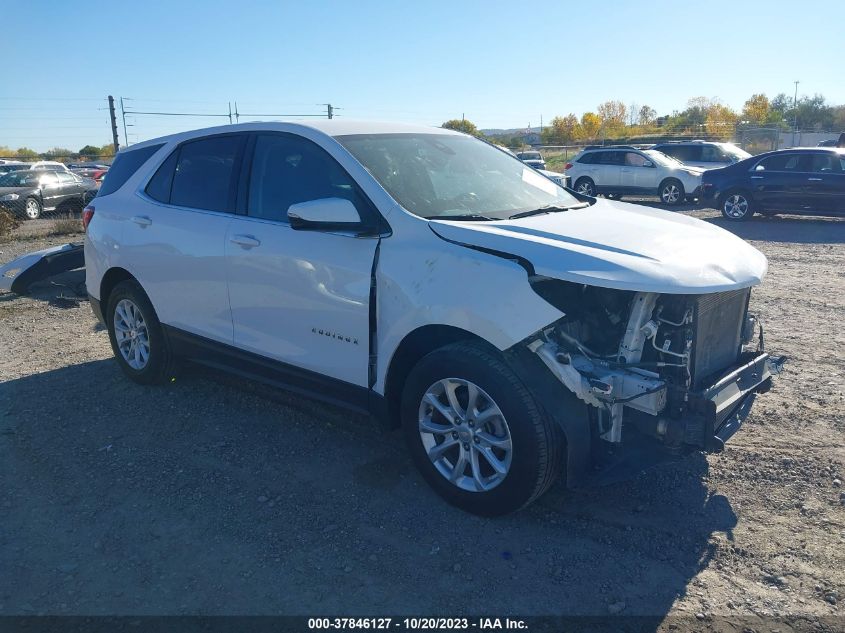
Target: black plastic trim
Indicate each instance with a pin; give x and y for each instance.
(228, 358)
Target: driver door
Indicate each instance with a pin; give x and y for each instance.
(300, 296)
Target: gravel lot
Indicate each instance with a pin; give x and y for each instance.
(213, 495)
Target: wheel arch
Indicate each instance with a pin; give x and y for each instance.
(417, 344)
(111, 278)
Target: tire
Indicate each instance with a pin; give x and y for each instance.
(585, 186)
(526, 445)
(32, 209)
(126, 303)
(671, 192)
(613, 196)
(736, 206)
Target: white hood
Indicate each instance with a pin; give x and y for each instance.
(622, 246)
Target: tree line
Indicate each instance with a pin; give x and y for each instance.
(703, 118)
(89, 152)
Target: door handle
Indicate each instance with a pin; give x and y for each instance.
(756, 177)
(245, 241)
(815, 179)
(141, 220)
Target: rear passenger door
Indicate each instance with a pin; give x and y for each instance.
(825, 187)
(300, 296)
(608, 175)
(174, 239)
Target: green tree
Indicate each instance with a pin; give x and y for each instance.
(462, 125)
(25, 152)
(58, 152)
(107, 150)
(590, 125)
(89, 151)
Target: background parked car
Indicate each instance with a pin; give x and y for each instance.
(625, 170)
(704, 154)
(7, 166)
(805, 181)
(29, 193)
(93, 171)
(557, 177)
(533, 159)
(48, 164)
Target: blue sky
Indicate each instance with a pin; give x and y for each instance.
(501, 63)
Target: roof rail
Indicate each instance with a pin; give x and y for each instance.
(610, 147)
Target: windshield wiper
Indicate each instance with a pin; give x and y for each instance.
(460, 216)
(549, 208)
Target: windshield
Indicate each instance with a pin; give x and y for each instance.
(19, 179)
(434, 175)
(736, 152)
(663, 159)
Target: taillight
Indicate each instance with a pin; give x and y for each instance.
(87, 216)
(568, 166)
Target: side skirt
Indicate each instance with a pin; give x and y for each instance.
(214, 354)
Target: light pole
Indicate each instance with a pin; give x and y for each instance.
(795, 117)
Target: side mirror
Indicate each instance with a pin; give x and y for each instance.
(648, 163)
(324, 214)
(759, 168)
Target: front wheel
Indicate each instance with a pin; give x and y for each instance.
(32, 208)
(737, 206)
(476, 433)
(672, 192)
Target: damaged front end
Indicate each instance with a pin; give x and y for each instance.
(683, 369)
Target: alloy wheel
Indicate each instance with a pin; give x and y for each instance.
(32, 209)
(131, 334)
(736, 206)
(465, 435)
(671, 194)
(585, 188)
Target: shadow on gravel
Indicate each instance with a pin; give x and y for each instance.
(794, 229)
(210, 497)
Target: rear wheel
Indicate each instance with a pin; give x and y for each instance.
(476, 433)
(737, 206)
(672, 192)
(136, 335)
(585, 186)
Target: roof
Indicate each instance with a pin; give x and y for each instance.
(330, 127)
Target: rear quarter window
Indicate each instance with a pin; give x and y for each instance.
(124, 166)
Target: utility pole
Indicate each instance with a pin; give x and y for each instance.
(115, 142)
(329, 110)
(237, 116)
(123, 114)
(230, 113)
(795, 118)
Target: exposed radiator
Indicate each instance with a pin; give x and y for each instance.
(718, 330)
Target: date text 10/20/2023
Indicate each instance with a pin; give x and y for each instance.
(417, 624)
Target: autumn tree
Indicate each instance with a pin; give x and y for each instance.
(720, 121)
(462, 125)
(756, 109)
(647, 115)
(562, 130)
(613, 114)
(590, 125)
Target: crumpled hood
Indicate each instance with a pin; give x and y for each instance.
(621, 246)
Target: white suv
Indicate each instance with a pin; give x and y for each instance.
(624, 170)
(510, 327)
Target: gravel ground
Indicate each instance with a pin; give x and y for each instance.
(213, 495)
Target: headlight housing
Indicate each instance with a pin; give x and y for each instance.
(9, 196)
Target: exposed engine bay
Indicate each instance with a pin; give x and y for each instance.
(675, 367)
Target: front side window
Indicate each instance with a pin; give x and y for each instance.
(712, 154)
(780, 162)
(205, 173)
(440, 175)
(633, 159)
(287, 170)
(64, 177)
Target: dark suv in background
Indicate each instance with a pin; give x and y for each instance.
(703, 154)
(804, 181)
(28, 193)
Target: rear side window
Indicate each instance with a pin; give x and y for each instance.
(159, 186)
(126, 164)
(827, 163)
(588, 159)
(205, 173)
